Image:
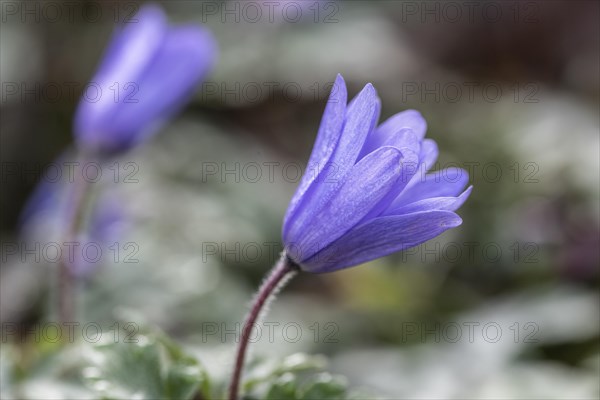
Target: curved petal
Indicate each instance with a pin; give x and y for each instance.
(448, 182)
(380, 237)
(435, 203)
(411, 119)
(361, 116)
(327, 139)
(361, 119)
(429, 153)
(408, 167)
(366, 185)
(405, 137)
(427, 157)
(131, 50)
(187, 55)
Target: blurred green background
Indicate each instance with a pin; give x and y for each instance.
(505, 306)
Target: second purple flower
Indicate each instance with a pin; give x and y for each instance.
(148, 72)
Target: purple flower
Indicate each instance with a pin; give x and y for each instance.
(369, 195)
(148, 72)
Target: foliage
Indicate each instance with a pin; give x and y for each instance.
(151, 366)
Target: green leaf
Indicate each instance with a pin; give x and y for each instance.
(283, 388)
(325, 387)
(267, 370)
(146, 366)
(147, 369)
(182, 382)
(297, 377)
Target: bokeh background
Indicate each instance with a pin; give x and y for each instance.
(505, 306)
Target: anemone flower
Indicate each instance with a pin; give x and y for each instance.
(370, 197)
(366, 195)
(147, 74)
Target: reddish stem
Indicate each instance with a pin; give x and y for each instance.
(275, 280)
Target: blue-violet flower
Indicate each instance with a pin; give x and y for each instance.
(148, 72)
(366, 193)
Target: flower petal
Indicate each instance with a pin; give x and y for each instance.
(327, 139)
(408, 167)
(427, 158)
(448, 182)
(435, 203)
(411, 119)
(187, 55)
(361, 119)
(361, 116)
(405, 137)
(367, 184)
(380, 237)
(429, 153)
(127, 57)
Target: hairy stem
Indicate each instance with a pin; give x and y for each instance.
(72, 222)
(281, 273)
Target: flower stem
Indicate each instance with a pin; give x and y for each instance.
(72, 222)
(281, 273)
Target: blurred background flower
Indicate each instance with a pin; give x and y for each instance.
(148, 72)
(510, 91)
